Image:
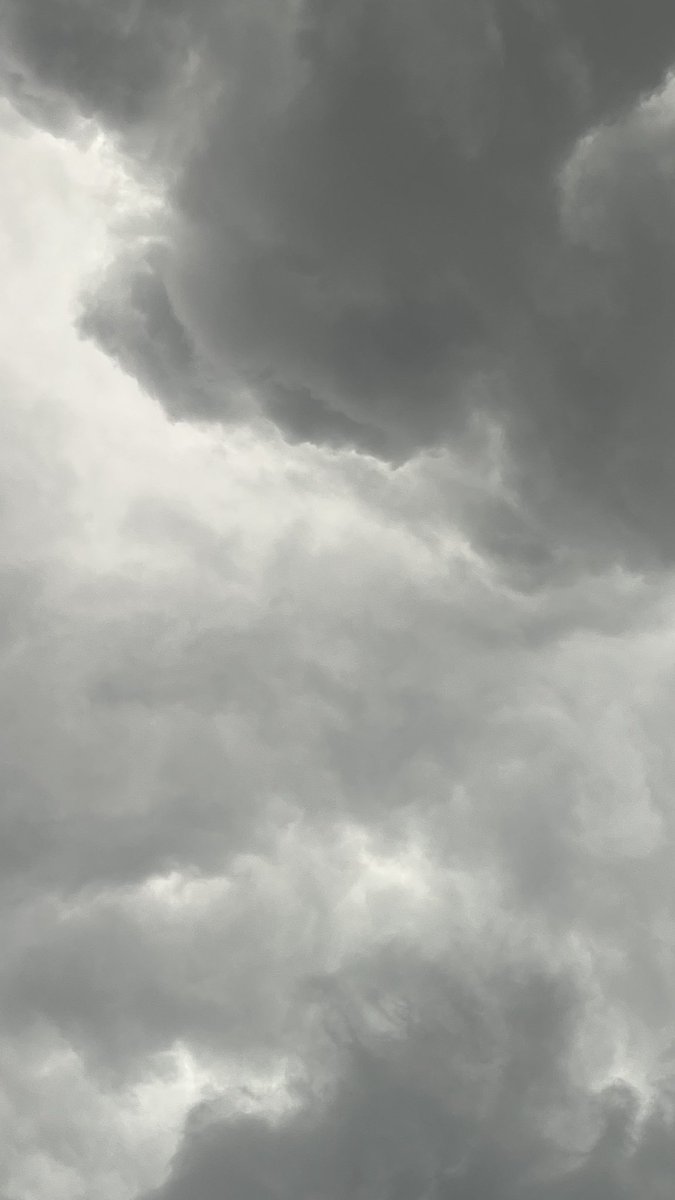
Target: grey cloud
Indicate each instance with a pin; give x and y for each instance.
(366, 227)
(357, 678)
(295, 777)
(132, 318)
(419, 1152)
(107, 60)
(291, 645)
(457, 1098)
(286, 645)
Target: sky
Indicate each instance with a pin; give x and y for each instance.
(337, 581)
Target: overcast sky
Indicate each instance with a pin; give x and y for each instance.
(337, 592)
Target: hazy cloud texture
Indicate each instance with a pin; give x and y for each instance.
(337, 687)
(380, 217)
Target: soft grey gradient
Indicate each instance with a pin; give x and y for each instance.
(380, 216)
(336, 583)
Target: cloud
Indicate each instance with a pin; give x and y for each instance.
(323, 796)
(336, 827)
(365, 227)
(388, 1127)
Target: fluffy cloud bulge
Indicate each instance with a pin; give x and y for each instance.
(337, 651)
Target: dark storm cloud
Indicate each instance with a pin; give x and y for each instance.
(295, 779)
(133, 319)
(366, 223)
(457, 1096)
(409, 1149)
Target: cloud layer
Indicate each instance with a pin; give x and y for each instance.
(337, 826)
(381, 218)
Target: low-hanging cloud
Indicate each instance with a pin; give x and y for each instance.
(337, 827)
(382, 217)
(319, 802)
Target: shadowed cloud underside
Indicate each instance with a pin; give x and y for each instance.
(337, 687)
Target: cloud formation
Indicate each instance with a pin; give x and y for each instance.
(374, 836)
(381, 218)
(336, 833)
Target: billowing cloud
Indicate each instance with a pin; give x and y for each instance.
(337, 826)
(381, 218)
(358, 1147)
